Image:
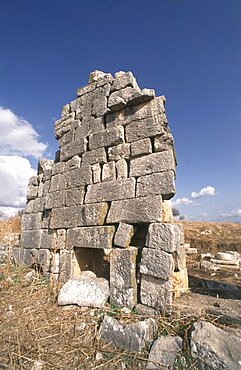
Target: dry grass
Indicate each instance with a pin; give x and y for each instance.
(11, 225)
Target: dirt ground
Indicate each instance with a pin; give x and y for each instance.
(34, 330)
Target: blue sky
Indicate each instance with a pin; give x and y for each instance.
(187, 50)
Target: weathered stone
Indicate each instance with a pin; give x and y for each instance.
(65, 110)
(46, 188)
(46, 219)
(38, 204)
(124, 79)
(77, 147)
(141, 147)
(75, 196)
(76, 104)
(167, 215)
(29, 206)
(63, 218)
(67, 265)
(67, 138)
(118, 152)
(111, 190)
(45, 167)
(31, 239)
(132, 337)
(109, 172)
(18, 256)
(56, 199)
(91, 237)
(58, 182)
(31, 221)
(60, 238)
(121, 169)
(179, 281)
(79, 177)
(157, 183)
(164, 237)
(94, 156)
(155, 162)
(86, 89)
(118, 99)
(179, 258)
(94, 214)
(48, 239)
(157, 263)
(42, 258)
(32, 191)
(100, 100)
(123, 288)
(73, 163)
(154, 108)
(164, 352)
(96, 173)
(156, 293)
(63, 125)
(55, 262)
(106, 138)
(214, 347)
(147, 127)
(123, 235)
(86, 291)
(100, 77)
(89, 127)
(163, 142)
(139, 210)
(58, 168)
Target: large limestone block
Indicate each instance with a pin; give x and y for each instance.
(59, 167)
(79, 177)
(96, 173)
(180, 258)
(38, 204)
(100, 100)
(120, 98)
(77, 147)
(88, 127)
(122, 80)
(147, 127)
(156, 293)
(31, 239)
(48, 239)
(163, 142)
(111, 190)
(63, 218)
(123, 288)
(155, 162)
(118, 152)
(157, 263)
(121, 169)
(131, 337)
(86, 89)
(91, 237)
(138, 210)
(75, 196)
(64, 124)
(95, 214)
(85, 290)
(109, 171)
(100, 77)
(94, 156)
(31, 221)
(123, 235)
(179, 281)
(214, 347)
(56, 199)
(109, 137)
(164, 352)
(58, 183)
(66, 138)
(167, 215)
(33, 187)
(157, 183)
(163, 236)
(141, 147)
(45, 167)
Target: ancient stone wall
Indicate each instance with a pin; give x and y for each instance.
(103, 204)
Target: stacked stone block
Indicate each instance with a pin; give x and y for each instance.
(113, 173)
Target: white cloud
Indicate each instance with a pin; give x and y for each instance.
(182, 202)
(15, 172)
(209, 190)
(234, 213)
(18, 137)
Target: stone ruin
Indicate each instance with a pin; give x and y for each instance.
(103, 204)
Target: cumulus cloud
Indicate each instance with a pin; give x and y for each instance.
(233, 213)
(182, 202)
(15, 172)
(18, 137)
(207, 191)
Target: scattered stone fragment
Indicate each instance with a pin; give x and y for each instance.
(132, 337)
(86, 290)
(164, 352)
(214, 347)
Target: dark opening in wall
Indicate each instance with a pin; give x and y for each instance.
(93, 259)
(139, 237)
